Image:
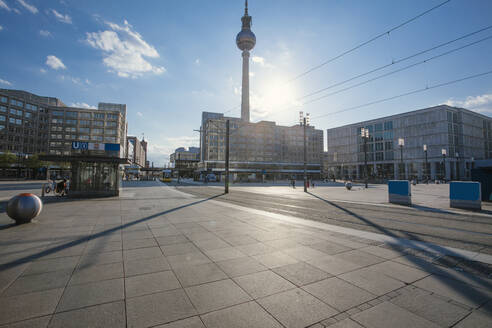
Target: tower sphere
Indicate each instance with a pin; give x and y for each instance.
(246, 40)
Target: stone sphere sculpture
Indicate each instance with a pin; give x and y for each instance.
(24, 207)
(348, 185)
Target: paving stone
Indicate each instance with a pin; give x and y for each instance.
(177, 261)
(430, 307)
(193, 322)
(296, 308)
(104, 316)
(169, 240)
(199, 274)
(241, 266)
(179, 249)
(102, 246)
(97, 273)
(158, 308)
(41, 322)
(387, 315)
(275, 259)
(245, 315)
(224, 254)
(78, 296)
(150, 283)
(338, 294)
(333, 265)
(25, 306)
(256, 249)
(216, 295)
(142, 253)
(399, 271)
(37, 282)
(281, 244)
(383, 252)
(330, 248)
(455, 290)
(66, 264)
(303, 253)
(136, 267)
(301, 273)
(210, 244)
(139, 243)
(360, 258)
(346, 323)
(263, 283)
(476, 319)
(238, 240)
(100, 258)
(372, 281)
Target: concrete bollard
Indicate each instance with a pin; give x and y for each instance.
(348, 185)
(465, 195)
(399, 192)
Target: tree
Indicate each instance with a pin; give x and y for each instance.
(7, 159)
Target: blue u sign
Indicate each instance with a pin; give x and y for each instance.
(80, 145)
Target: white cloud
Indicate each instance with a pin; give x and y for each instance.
(139, 114)
(82, 105)
(261, 61)
(54, 62)
(1, 27)
(28, 6)
(124, 50)
(62, 18)
(45, 33)
(17, 11)
(3, 5)
(251, 74)
(42, 70)
(5, 82)
(197, 61)
(480, 103)
(88, 82)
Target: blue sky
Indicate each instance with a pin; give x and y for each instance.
(170, 60)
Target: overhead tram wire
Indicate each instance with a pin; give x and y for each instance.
(398, 70)
(405, 94)
(368, 41)
(392, 72)
(397, 62)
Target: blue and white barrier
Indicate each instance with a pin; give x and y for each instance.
(399, 192)
(466, 195)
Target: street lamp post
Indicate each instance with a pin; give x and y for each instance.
(401, 143)
(443, 152)
(304, 121)
(457, 155)
(364, 133)
(426, 164)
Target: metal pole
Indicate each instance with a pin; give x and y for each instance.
(444, 166)
(401, 160)
(305, 156)
(365, 160)
(226, 186)
(426, 170)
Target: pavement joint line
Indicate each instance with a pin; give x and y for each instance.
(469, 255)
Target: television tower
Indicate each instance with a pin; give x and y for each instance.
(245, 41)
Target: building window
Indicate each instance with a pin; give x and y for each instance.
(16, 103)
(388, 125)
(3, 109)
(2, 127)
(3, 99)
(71, 114)
(389, 156)
(378, 127)
(2, 118)
(69, 129)
(379, 146)
(84, 130)
(97, 138)
(31, 107)
(56, 120)
(83, 137)
(388, 145)
(379, 156)
(111, 124)
(98, 123)
(57, 113)
(97, 131)
(15, 112)
(71, 122)
(388, 135)
(112, 116)
(12, 120)
(83, 122)
(99, 115)
(85, 115)
(27, 115)
(110, 131)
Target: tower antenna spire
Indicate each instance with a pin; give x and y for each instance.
(246, 8)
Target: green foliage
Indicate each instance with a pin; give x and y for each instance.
(7, 159)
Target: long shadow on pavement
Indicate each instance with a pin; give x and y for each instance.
(76, 242)
(418, 262)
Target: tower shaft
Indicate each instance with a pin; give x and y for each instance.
(245, 88)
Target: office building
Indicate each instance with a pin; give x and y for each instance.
(31, 124)
(435, 142)
(137, 151)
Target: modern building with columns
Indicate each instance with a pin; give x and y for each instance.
(435, 142)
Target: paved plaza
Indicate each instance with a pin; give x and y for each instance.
(160, 257)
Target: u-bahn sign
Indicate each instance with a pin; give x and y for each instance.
(77, 145)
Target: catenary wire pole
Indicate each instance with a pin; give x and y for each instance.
(226, 186)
